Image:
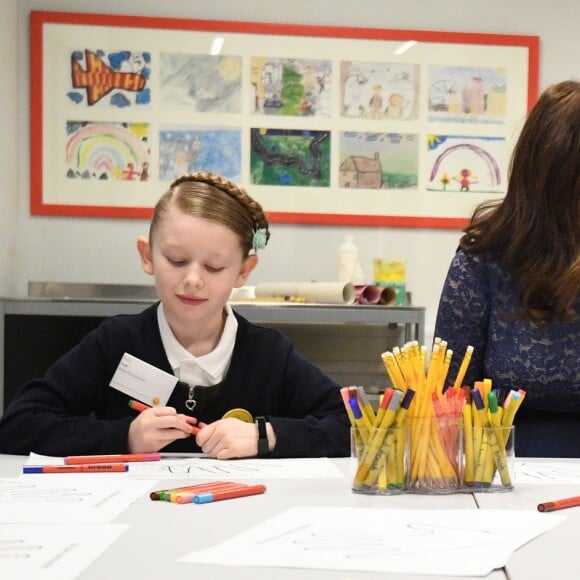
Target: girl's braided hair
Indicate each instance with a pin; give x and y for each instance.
(216, 199)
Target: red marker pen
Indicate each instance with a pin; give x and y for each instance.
(120, 458)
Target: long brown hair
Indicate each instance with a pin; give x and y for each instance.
(535, 229)
(214, 198)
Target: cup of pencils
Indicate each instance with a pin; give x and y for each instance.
(436, 454)
(381, 460)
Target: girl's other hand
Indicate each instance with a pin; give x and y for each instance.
(231, 439)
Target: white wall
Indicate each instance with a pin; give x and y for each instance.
(98, 250)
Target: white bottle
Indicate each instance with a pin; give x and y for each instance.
(348, 260)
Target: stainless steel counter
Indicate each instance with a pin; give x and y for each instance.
(344, 340)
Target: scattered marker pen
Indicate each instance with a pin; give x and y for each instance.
(97, 468)
(234, 493)
(559, 504)
(118, 458)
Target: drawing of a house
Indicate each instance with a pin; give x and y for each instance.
(361, 172)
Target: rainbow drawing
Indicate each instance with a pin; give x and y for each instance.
(107, 151)
(464, 164)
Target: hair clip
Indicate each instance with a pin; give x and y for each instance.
(260, 239)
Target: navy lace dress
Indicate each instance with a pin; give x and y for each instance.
(514, 354)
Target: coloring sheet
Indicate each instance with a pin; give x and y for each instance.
(52, 552)
(463, 543)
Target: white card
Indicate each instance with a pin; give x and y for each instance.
(143, 381)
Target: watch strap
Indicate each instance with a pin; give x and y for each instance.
(263, 448)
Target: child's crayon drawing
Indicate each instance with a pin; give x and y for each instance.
(291, 86)
(290, 157)
(378, 160)
(466, 164)
(121, 76)
(379, 90)
(206, 83)
(107, 151)
(467, 94)
(189, 149)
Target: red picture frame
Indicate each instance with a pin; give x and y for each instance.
(45, 99)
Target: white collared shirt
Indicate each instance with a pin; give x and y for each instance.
(205, 370)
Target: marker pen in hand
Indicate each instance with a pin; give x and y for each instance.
(140, 407)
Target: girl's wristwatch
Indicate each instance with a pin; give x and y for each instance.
(263, 449)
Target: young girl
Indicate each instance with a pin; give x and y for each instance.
(202, 243)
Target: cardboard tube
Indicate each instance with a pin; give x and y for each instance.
(388, 296)
(368, 294)
(322, 292)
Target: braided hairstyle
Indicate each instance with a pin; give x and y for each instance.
(216, 199)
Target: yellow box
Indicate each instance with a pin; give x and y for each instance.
(392, 273)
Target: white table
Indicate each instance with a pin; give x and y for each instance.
(555, 554)
(160, 534)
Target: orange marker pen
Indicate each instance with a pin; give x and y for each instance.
(138, 405)
(559, 504)
(234, 493)
(120, 458)
(165, 494)
(98, 468)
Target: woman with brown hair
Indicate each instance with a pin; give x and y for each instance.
(512, 288)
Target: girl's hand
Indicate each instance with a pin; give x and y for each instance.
(156, 428)
(231, 438)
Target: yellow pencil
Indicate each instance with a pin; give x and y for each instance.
(463, 367)
(468, 440)
(394, 371)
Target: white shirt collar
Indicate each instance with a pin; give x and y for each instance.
(205, 370)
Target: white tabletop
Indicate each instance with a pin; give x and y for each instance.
(555, 554)
(158, 537)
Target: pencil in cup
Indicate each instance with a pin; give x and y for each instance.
(436, 462)
(436, 435)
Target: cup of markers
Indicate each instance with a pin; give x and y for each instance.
(381, 460)
(489, 439)
(379, 441)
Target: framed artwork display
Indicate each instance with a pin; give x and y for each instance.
(322, 125)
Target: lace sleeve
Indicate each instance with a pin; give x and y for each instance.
(463, 314)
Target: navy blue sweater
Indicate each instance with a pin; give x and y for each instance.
(479, 295)
(72, 410)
